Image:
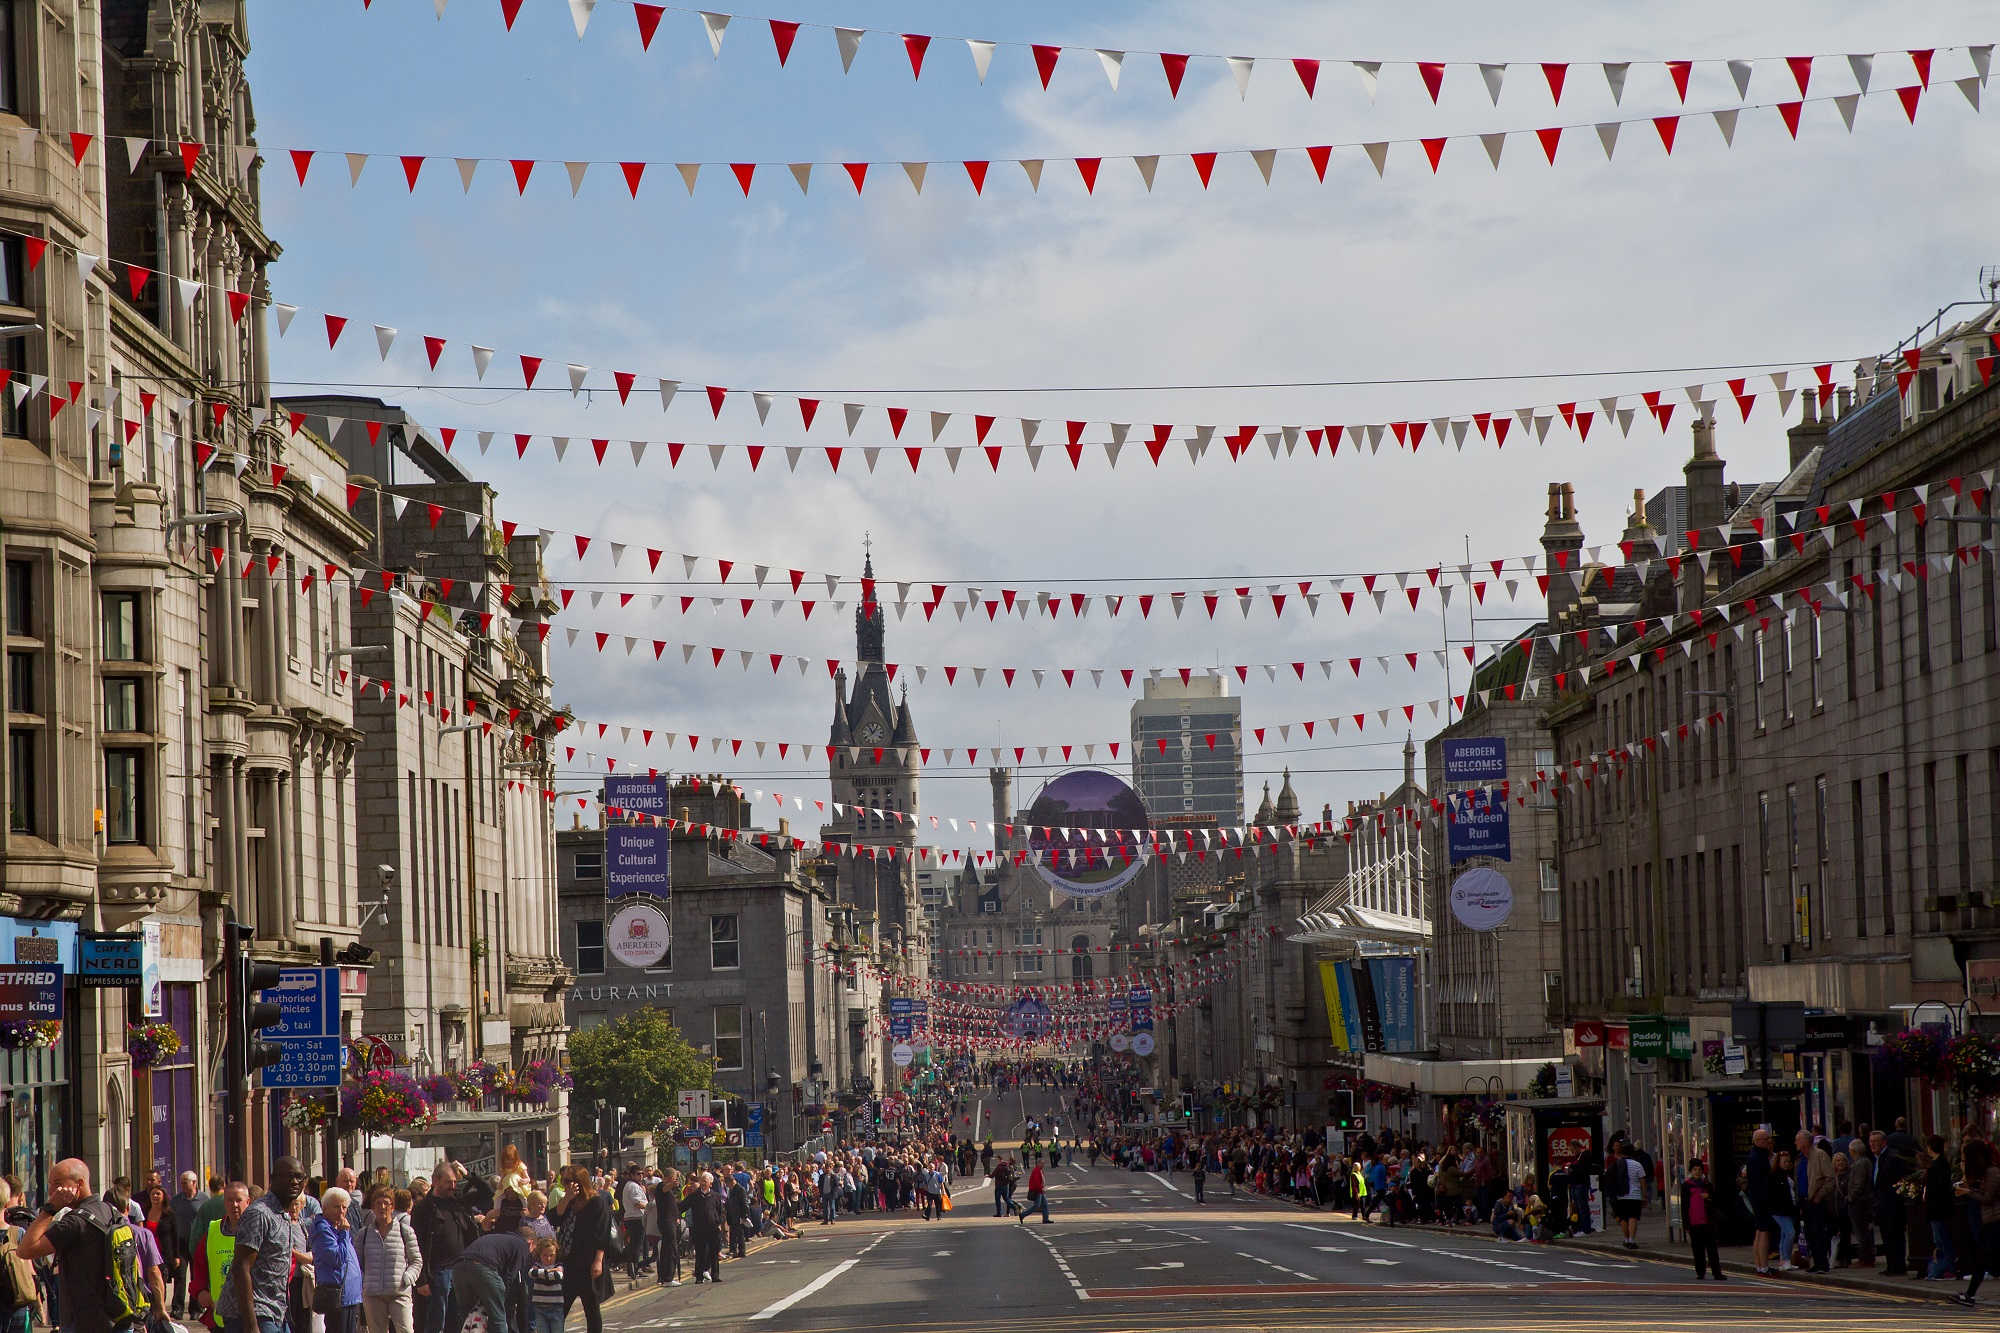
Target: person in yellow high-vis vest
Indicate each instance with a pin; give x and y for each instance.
(214, 1250)
(1357, 1186)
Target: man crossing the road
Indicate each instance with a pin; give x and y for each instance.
(1038, 1195)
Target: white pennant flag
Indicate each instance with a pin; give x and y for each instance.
(1493, 74)
(466, 167)
(577, 375)
(850, 42)
(385, 338)
(1378, 153)
(716, 25)
(1725, 121)
(638, 452)
(1847, 103)
(1614, 75)
(1970, 87)
(1112, 61)
(763, 402)
(1033, 167)
(1739, 70)
(1863, 67)
(482, 357)
(802, 173)
(1370, 72)
(938, 422)
(792, 452)
(1607, 134)
(668, 388)
(1493, 143)
(852, 411)
(1029, 426)
(982, 55)
(190, 289)
(915, 171)
(689, 171)
(1982, 60)
(279, 308)
(579, 13)
(575, 170)
(1148, 165)
(1264, 157)
(1240, 67)
(355, 161)
(134, 150)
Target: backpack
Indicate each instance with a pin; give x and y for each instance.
(17, 1275)
(125, 1299)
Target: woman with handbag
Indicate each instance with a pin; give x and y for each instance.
(583, 1228)
(336, 1267)
(391, 1263)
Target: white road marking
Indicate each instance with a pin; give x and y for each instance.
(1288, 1272)
(1168, 1183)
(1378, 1240)
(1331, 1249)
(778, 1307)
(1386, 1263)
(1155, 1268)
(940, 1254)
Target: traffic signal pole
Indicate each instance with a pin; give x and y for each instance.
(242, 1053)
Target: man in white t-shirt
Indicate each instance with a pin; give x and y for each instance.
(1625, 1183)
(632, 1198)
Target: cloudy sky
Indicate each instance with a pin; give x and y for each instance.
(1413, 295)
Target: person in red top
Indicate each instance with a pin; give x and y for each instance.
(1037, 1195)
(1697, 1209)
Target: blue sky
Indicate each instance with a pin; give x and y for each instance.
(1829, 248)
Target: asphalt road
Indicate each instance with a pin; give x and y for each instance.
(1132, 1251)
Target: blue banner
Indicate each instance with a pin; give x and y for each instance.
(1395, 981)
(1475, 759)
(1350, 1006)
(629, 795)
(637, 860)
(753, 1129)
(1477, 826)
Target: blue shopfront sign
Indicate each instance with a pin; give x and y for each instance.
(111, 961)
(1475, 759)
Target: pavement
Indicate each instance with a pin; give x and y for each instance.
(1131, 1250)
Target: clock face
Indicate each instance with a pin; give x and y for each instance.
(872, 734)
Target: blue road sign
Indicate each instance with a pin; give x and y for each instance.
(753, 1131)
(309, 1062)
(901, 1028)
(308, 1000)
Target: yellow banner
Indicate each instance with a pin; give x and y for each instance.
(1329, 984)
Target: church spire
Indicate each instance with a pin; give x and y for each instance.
(868, 615)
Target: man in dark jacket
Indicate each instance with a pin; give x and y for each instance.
(1890, 1167)
(667, 1203)
(704, 1215)
(1757, 1192)
(445, 1225)
(736, 1211)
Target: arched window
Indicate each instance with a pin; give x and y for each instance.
(1080, 962)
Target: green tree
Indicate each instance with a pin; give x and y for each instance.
(640, 1062)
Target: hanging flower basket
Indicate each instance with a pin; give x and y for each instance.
(150, 1043)
(36, 1035)
(385, 1101)
(438, 1088)
(1972, 1064)
(1911, 1053)
(308, 1113)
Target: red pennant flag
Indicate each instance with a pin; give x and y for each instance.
(782, 36)
(135, 280)
(1555, 73)
(716, 394)
(1922, 61)
(1908, 97)
(897, 416)
(649, 22)
(744, 171)
(510, 10)
(624, 379)
(523, 168)
(301, 160)
(79, 144)
(412, 164)
(433, 348)
(521, 445)
(1679, 70)
(1204, 164)
(1433, 74)
(1789, 112)
(1086, 167)
(916, 44)
(976, 173)
(597, 447)
(1550, 138)
(1308, 71)
(1176, 69)
(634, 171)
(1434, 149)
(1801, 67)
(1319, 155)
(531, 366)
(37, 247)
(1668, 126)
(334, 324)
(1045, 61)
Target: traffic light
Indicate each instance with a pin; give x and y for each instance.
(1343, 1110)
(243, 1053)
(258, 1015)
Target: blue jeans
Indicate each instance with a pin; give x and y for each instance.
(547, 1318)
(263, 1325)
(1944, 1259)
(1788, 1233)
(434, 1312)
(1035, 1201)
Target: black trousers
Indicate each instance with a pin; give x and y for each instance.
(579, 1285)
(670, 1255)
(1891, 1217)
(707, 1254)
(1707, 1259)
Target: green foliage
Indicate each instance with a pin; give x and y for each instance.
(640, 1062)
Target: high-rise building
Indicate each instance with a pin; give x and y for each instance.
(1197, 774)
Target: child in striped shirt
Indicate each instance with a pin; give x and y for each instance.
(545, 1288)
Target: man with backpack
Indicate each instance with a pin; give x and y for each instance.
(100, 1284)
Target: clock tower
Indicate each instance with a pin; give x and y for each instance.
(874, 775)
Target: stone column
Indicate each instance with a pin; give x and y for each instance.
(227, 823)
(286, 880)
(239, 841)
(231, 576)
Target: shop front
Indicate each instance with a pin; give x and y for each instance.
(172, 1091)
(1713, 1122)
(1548, 1138)
(35, 1060)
